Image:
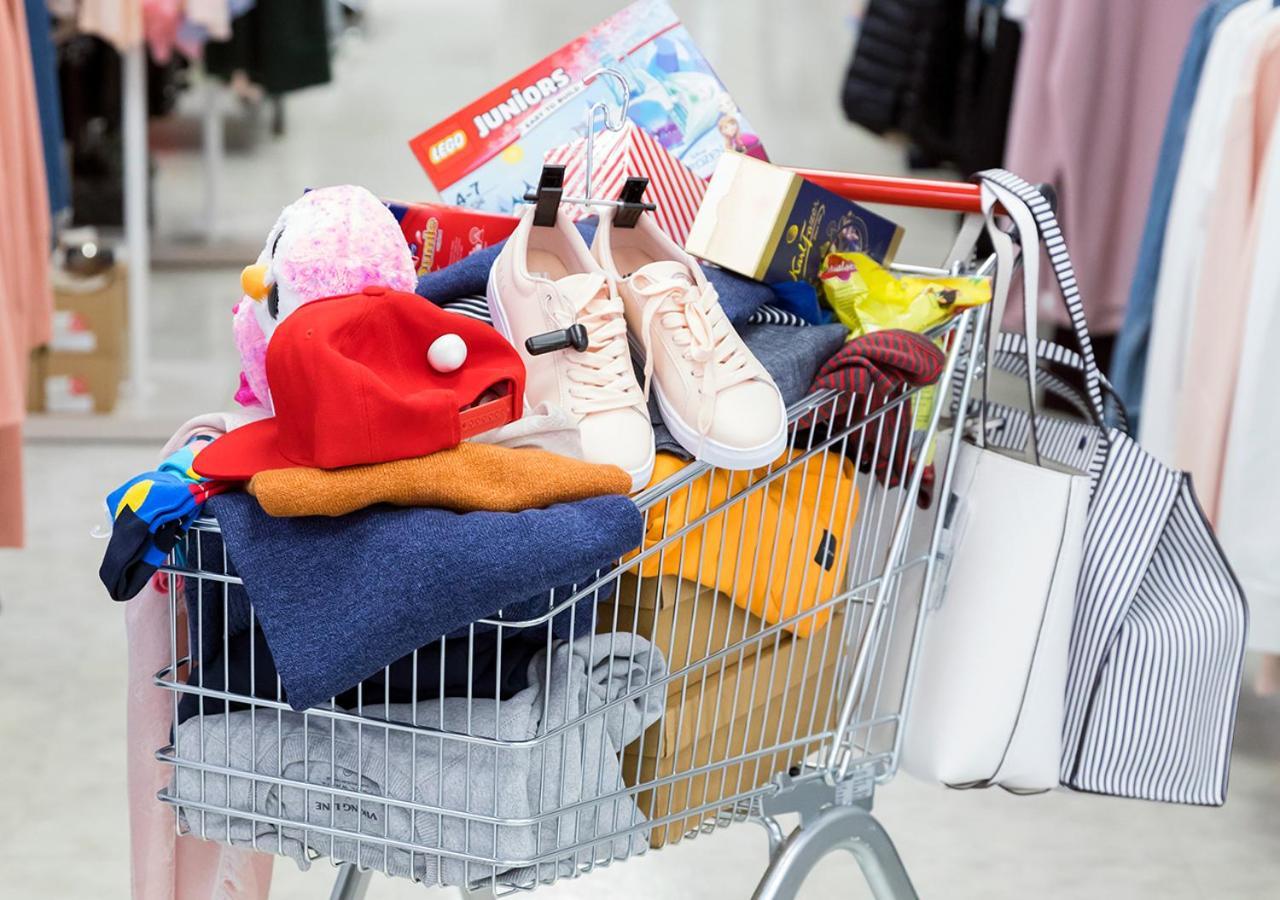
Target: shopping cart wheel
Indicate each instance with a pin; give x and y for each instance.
(353, 884)
(849, 828)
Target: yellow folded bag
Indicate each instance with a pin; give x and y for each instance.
(778, 552)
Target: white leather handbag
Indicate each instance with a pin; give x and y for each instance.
(987, 704)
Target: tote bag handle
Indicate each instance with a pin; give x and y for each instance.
(1001, 281)
(1033, 217)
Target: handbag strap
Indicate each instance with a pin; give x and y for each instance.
(1026, 231)
(1001, 282)
(1032, 213)
(1009, 343)
(1010, 358)
(1035, 224)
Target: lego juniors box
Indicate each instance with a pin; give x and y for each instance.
(488, 154)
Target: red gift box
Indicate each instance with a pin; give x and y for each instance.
(617, 155)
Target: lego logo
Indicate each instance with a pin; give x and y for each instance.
(442, 150)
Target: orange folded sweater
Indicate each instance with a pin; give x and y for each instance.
(464, 478)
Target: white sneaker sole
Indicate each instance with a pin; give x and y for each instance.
(711, 451)
(641, 476)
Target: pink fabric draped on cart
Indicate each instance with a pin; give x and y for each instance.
(167, 866)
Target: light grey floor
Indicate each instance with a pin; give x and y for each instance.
(63, 831)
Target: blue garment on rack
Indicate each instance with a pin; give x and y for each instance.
(339, 598)
(49, 101)
(193, 35)
(1129, 363)
(739, 296)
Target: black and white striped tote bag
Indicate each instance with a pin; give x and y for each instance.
(1158, 637)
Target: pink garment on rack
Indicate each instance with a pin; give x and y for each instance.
(26, 298)
(214, 16)
(1222, 297)
(161, 20)
(1094, 82)
(170, 24)
(118, 22)
(167, 866)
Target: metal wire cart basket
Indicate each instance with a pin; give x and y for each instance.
(751, 658)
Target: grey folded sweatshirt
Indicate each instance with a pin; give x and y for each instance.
(464, 783)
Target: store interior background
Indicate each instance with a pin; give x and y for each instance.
(63, 829)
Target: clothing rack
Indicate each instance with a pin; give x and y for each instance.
(136, 226)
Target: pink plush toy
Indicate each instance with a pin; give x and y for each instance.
(330, 241)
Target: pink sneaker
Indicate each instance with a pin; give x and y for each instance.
(545, 279)
(719, 402)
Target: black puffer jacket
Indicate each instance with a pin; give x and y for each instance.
(928, 70)
(894, 45)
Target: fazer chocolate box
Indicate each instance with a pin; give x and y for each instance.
(440, 235)
(770, 224)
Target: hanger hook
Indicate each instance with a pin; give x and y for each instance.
(611, 125)
(620, 122)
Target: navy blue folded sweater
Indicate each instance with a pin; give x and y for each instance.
(339, 598)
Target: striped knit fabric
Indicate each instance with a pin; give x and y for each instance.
(870, 372)
(1066, 442)
(1157, 643)
(673, 188)
(772, 315)
(880, 364)
(472, 307)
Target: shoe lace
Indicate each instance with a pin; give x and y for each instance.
(600, 377)
(703, 335)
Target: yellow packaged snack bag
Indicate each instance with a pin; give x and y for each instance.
(868, 297)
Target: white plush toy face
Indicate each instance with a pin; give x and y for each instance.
(277, 297)
(329, 242)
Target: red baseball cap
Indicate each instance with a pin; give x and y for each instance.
(352, 385)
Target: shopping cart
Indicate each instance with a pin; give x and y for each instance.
(795, 708)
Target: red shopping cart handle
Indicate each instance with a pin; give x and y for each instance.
(955, 196)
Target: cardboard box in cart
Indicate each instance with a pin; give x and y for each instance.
(686, 621)
(776, 690)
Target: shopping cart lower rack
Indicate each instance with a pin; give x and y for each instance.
(778, 615)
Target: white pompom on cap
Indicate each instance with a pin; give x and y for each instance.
(447, 353)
